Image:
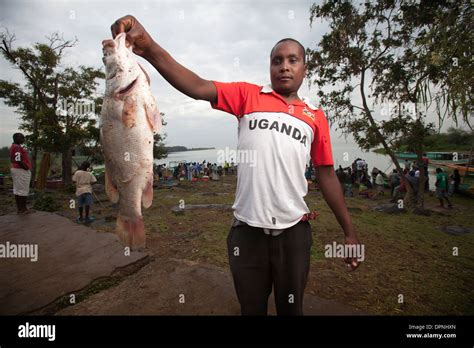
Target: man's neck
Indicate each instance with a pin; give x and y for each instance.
(291, 97)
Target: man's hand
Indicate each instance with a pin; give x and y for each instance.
(332, 192)
(137, 36)
(181, 78)
(352, 262)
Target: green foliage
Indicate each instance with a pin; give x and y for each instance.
(46, 202)
(393, 55)
(58, 105)
(159, 148)
(5, 166)
(4, 152)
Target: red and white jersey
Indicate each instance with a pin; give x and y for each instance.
(276, 140)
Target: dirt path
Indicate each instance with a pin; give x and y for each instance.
(182, 287)
(69, 257)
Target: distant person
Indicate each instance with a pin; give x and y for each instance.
(394, 181)
(407, 165)
(455, 182)
(374, 173)
(379, 183)
(400, 190)
(442, 187)
(84, 180)
(21, 174)
(414, 181)
(159, 171)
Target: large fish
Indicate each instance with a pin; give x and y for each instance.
(129, 119)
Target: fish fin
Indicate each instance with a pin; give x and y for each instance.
(129, 112)
(146, 74)
(131, 232)
(147, 194)
(120, 40)
(153, 115)
(110, 188)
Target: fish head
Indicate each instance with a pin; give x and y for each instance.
(122, 71)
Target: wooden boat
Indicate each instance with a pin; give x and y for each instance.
(433, 156)
(461, 168)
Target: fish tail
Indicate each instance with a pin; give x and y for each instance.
(131, 231)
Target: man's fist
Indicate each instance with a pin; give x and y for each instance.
(137, 36)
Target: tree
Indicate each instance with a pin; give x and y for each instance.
(376, 51)
(57, 105)
(159, 149)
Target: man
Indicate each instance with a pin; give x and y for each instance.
(270, 240)
(394, 181)
(21, 174)
(84, 180)
(442, 187)
(379, 182)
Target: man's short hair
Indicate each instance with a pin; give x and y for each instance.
(84, 166)
(303, 51)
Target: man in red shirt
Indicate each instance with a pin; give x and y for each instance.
(270, 239)
(20, 171)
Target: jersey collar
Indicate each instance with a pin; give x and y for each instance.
(268, 89)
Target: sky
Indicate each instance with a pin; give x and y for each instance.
(223, 41)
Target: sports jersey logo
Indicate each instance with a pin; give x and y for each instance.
(308, 113)
(283, 128)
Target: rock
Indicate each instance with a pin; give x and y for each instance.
(456, 230)
(388, 208)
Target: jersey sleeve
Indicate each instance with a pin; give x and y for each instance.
(321, 151)
(93, 179)
(232, 96)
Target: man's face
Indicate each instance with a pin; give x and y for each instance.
(287, 68)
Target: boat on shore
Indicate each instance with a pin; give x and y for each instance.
(461, 157)
(462, 168)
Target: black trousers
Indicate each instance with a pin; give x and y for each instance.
(259, 261)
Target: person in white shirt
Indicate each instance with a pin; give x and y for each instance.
(83, 179)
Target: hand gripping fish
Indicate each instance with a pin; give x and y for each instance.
(128, 120)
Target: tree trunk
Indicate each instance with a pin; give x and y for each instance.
(420, 199)
(43, 172)
(66, 165)
(409, 201)
(34, 155)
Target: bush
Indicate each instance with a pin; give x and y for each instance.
(46, 202)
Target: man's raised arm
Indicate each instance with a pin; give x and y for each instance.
(181, 78)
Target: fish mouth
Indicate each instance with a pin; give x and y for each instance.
(128, 88)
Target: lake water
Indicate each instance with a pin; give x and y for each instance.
(343, 155)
